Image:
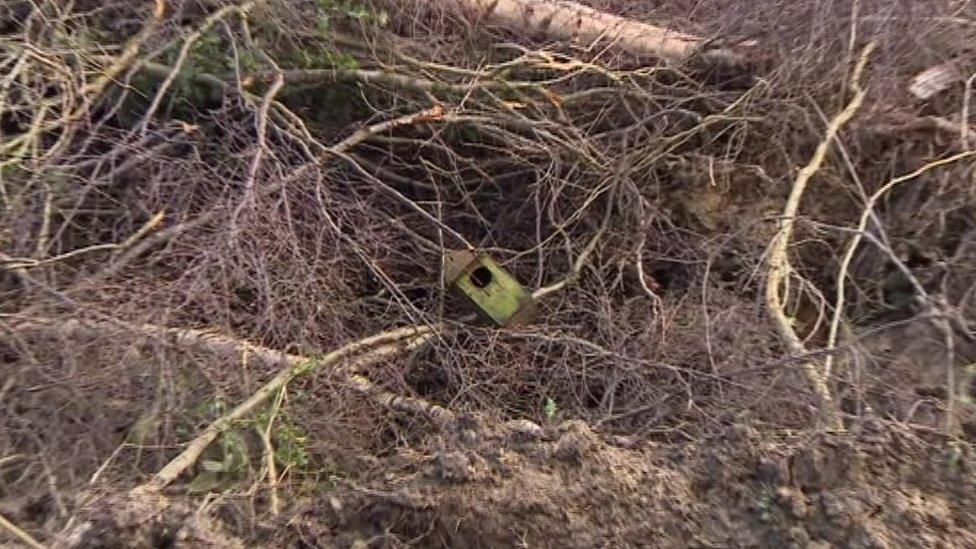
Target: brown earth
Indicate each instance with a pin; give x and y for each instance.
(876, 487)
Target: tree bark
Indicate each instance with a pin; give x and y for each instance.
(571, 21)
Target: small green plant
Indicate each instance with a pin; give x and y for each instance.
(323, 25)
(954, 457)
(224, 464)
(329, 478)
(209, 54)
(289, 439)
(765, 506)
(346, 8)
(331, 10)
(211, 408)
(550, 408)
(249, 61)
(326, 59)
(291, 446)
(303, 367)
(234, 452)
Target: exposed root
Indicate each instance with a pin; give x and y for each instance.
(779, 263)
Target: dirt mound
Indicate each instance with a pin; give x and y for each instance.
(145, 520)
(875, 488)
(741, 490)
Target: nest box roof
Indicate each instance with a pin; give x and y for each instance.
(455, 262)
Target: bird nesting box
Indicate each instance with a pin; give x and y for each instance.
(495, 292)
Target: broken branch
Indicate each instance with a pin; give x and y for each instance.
(373, 348)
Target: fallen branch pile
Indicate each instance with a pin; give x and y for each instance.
(292, 175)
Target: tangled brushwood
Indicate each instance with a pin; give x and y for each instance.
(749, 229)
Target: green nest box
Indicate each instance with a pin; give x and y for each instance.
(494, 291)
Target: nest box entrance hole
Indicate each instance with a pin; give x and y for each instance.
(481, 277)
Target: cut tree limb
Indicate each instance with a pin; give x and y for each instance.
(571, 21)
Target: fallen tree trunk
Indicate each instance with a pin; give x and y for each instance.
(571, 21)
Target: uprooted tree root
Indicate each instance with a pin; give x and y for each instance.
(222, 227)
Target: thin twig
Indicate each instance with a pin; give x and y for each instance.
(577, 267)
(209, 22)
(400, 196)
(11, 263)
(44, 233)
(18, 533)
(860, 232)
(427, 115)
(272, 469)
(129, 52)
(386, 344)
(261, 148)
